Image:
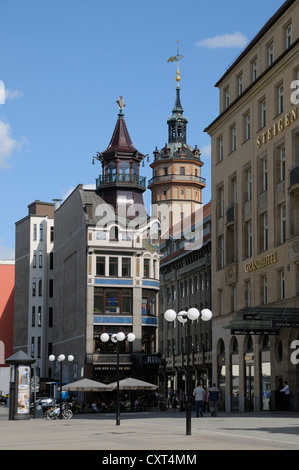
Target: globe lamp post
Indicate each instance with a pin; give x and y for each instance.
(187, 317)
(116, 339)
(60, 359)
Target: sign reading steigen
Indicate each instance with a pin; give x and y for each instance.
(277, 127)
(261, 262)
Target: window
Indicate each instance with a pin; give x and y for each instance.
(249, 184)
(113, 235)
(149, 302)
(220, 149)
(165, 169)
(264, 290)
(39, 346)
(263, 113)
(33, 316)
(220, 301)
(247, 180)
(221, 252)
(288, 36)
(34, 232)
(39, 316)
(281, 284)
(248, 239)
(233, 299)
(235, 190)
(51, 260)
(254, 70)
(51, 287)
(233, 138)
(41, 232)
(126, 267)
(282, 164)
(51, 234)
(247, 294)
(182, 170)
(283, 223)
(240, 84)
(34, 260)
(270, 54)
(182, 192)
(34, 287)
(50, 317)
(221, 201)
(226, 97)
(110, 347)
(40, 259)
(40, 287)
(265, 174)
(265, 231)
(146, 267)
(279, 92)
(112, 301)
(100, 266)
(113, 266)
(148, 340)
(247, 126)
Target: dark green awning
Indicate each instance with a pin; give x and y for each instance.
(263, 320)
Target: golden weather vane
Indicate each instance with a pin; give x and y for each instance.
(176, 58)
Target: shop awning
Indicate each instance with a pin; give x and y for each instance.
(263, 320)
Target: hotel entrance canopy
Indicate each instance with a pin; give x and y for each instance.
(263, 320)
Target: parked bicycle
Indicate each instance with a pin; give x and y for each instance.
(54, 413)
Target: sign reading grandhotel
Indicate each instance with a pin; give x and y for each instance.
(277, 127)
(261, 262)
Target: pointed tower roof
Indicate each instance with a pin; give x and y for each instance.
(177, 106)
(121, 142)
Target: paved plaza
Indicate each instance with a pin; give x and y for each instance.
(153, 431)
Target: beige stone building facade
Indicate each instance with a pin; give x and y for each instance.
(255, 214)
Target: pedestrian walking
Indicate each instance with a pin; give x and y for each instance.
(214, 397)
(286, 397)
(198, 394)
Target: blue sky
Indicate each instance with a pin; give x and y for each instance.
(65, 62)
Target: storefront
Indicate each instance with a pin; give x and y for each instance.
(254, 360)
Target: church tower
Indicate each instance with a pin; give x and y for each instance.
(176, 184)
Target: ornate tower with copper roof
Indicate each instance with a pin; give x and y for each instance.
(121, 184)
(176, 184)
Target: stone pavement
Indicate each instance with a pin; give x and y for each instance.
(153, 432)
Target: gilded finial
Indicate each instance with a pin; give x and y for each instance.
(177, 59)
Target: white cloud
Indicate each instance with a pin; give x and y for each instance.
(233, 40)
(12, 94)
(7, 144)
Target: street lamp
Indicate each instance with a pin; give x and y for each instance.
(117, 338)
(60, 359)
(183, 317)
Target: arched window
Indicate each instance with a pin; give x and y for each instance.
(113, 233)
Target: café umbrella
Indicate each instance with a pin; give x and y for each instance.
(133, 384)
(86, 385)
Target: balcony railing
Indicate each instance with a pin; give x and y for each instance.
(121, 179)
(169, 178)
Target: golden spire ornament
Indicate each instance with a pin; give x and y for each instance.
(177, 59)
